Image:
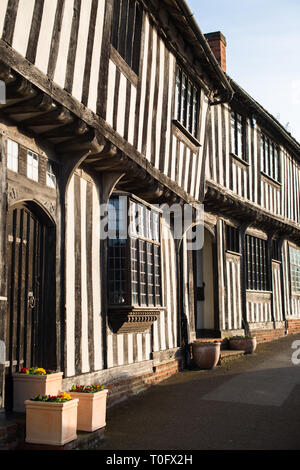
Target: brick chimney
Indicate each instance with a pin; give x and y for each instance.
(217, 43)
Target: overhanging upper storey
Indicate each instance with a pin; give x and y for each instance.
(139, 74)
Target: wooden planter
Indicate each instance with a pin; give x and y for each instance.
(206, 355)
(51, 423)
(91, 410)
(28, 386)
(243, 344)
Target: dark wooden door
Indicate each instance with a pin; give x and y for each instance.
(25, 276)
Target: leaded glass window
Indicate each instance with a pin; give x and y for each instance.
(238, 135)
(257, 264)
(186, 102)
(134, 263)
(295, 269)
(270, 158)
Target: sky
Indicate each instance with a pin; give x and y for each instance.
(263, 50)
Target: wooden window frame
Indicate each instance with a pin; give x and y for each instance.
(32, 171)
(140, 249)
(238, 146)
(295, 269)
(270, 158)
(257, 268)
(126, 31)
(232, 239)
(12, 157)
(187, 103)
(50, 176)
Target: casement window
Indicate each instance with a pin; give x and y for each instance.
(186, 102)
(270, 158)
(50, 176)
(32, 165)
(134, 262)
(12, 155)
(126, 31)
(257, 264)
(295, 269)
(238, 135)
(232, 239)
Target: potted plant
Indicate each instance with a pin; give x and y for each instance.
(206, 355)
(245, 343)
(91, 407)
(51, 420)
(34, 381)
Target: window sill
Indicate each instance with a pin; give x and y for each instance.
(190, 139)
(239, 159)
(271, 180)
(123, 66)
(235, 253)
(130, 319)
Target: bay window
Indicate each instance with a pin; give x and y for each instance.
(295, 269)
(134, 261)
(257, 277)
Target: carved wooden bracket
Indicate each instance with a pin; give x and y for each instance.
(130, 319)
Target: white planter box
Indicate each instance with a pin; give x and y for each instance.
(91, 410)
(28, 386)
(51, 423)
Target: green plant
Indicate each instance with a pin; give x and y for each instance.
(241, 337)
(35, 371)
(87, 388)
(61, 398)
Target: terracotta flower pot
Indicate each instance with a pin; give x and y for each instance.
(243, 344)
(28, 385)
(206, 355)
(51, 423)
(91, 410)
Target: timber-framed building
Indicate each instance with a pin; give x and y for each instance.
(110, 98)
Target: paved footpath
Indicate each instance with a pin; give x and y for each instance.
(251, 403)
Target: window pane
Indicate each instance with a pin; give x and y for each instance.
(32, 165)
(183, 100)
(232, 133)
(257, 264)
(12, 155)
(178, 94)
(126, 31)
(50, 177)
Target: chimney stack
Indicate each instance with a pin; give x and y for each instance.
(217, 43)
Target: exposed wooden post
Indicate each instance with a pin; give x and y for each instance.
(243, 268)
(107, 182)
(3, 273)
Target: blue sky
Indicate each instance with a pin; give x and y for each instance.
(263, 50)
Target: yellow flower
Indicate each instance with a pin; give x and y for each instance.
(40, 371)
(66, 396)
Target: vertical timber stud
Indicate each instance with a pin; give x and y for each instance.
(216, 278)
(270, 276)
(243, 277)
(107, 183)
(3, 279)
(284, 292)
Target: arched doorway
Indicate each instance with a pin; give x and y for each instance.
(30, 326)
